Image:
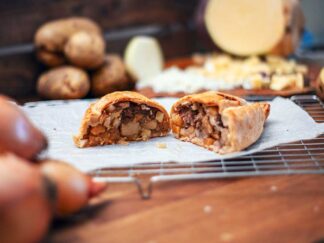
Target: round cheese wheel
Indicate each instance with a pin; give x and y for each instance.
(245, 27)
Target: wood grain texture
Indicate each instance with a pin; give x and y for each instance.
(18, 75)
(267, 209)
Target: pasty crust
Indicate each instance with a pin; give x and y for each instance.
(94, 113)
(240, 124)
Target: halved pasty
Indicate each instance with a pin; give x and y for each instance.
(219, 122)
(120, 117)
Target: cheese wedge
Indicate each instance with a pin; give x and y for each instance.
(143, 57)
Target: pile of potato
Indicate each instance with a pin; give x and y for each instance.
(74, 50)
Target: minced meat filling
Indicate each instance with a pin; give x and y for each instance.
(133, 109)
(203, 123)
(126, 121)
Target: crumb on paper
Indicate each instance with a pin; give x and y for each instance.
(226, 237)
(161, 145)
(125, 143)
(316, 209)
(273, 188)
(207, 209)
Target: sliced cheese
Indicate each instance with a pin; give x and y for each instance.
(245, 27)
(143, 57)
(290, 81)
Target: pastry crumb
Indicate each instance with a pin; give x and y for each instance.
(125, 143)
(207, 209)
(161, 145)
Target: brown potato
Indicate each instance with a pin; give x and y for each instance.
(64, 82)
(112, 76)
(52, 36)
(86, 50)
(320, 85)
(18, 134)
(51, 59)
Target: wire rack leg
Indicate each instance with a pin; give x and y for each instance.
(144, 192)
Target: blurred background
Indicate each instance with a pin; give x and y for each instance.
(173, 22)
(313, 11)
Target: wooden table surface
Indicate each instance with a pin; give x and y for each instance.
(263, 209)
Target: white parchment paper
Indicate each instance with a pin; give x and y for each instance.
(61, 120)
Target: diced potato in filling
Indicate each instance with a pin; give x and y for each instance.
(201, 124)
(217, 121)
(126, 121)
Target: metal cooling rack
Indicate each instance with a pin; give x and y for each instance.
(301, 157)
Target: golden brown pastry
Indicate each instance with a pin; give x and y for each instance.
(120, 117)
(219, 122)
